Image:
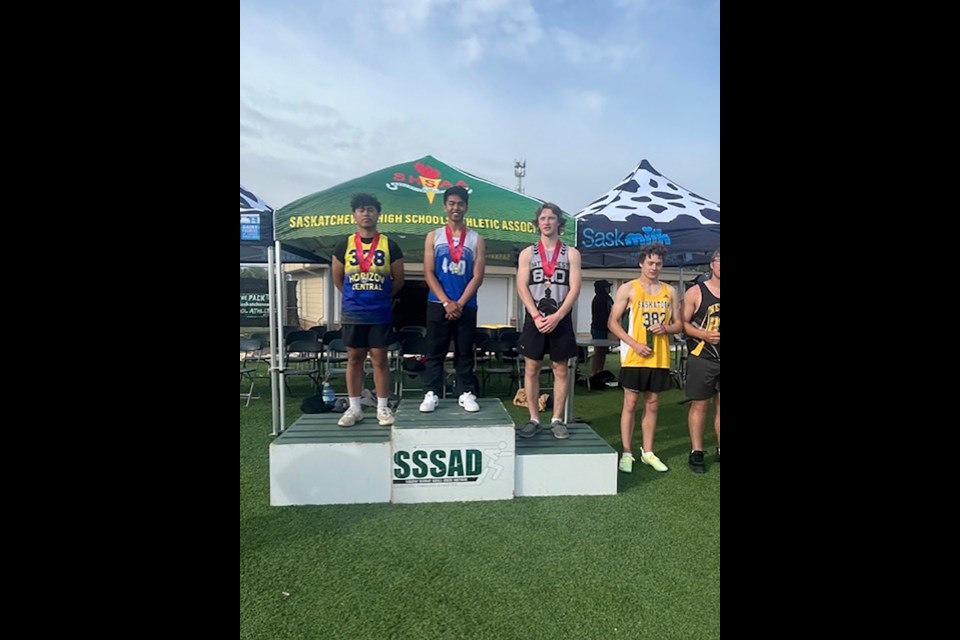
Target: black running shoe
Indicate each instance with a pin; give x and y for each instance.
(696, 462)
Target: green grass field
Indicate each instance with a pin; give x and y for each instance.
(642, 564)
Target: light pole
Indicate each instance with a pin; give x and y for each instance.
(520, 170)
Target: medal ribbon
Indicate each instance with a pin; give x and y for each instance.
(366, 260)
(551, 266)
(456, 251)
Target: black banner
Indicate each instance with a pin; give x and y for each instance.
(254, 303)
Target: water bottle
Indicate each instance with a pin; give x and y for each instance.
(329, 397)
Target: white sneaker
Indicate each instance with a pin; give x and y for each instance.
(469, 402)
(350, 417)
(385, 416)
(429, 402)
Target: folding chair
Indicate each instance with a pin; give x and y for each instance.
(303, 351)
(412, 350)
(250, 351)
(500, 361)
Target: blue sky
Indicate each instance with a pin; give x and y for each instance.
(582, 89)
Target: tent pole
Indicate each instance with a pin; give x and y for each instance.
(271, 288)
(281, 350)
(328, 297)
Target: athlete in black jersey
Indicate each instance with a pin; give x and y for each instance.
(701, 324)
(548, 283)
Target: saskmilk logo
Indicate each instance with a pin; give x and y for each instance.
(429, 180)
(437, 466)
(591, 237)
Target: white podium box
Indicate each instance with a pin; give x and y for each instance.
(317, 462)
(450, 455)
(582, 465)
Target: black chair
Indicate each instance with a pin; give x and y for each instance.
(336, 361)
(413, 350)
(491, 334)
(395, 365)
(480, 338)
(264, 354)
(329, 337)
(304, 350)
(299, 334)
(678, 370)
(408, 332)
(250, 351)
(499, 362)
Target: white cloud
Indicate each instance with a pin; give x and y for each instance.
(471, 49)
(592, 100)
(579, 50)
(406, 16)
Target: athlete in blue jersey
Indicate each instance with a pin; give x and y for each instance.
(453, 265)
(368, 269)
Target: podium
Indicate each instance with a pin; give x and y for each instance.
(582, 465)
(448, 455)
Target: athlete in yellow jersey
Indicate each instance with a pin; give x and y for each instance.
(644, 350)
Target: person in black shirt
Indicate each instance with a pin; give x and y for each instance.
(701, 324)
(600, 311)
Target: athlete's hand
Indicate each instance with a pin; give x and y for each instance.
(454, 310)
(547, 324)
(641, 349)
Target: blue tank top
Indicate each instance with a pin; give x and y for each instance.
(454, 276)
(367, 296)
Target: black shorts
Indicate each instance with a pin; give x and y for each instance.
(599, 334)
(703, 378)
(368, 336)
(642, 379)
(561, 344)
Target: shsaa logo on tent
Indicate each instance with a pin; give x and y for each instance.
(437, 466)
(617, 238)
(429, 180)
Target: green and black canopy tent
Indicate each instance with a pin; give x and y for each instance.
(412, 197)
(411, 194)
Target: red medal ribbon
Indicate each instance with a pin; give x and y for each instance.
(551, 266)
(456, 251)
(366, 260)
